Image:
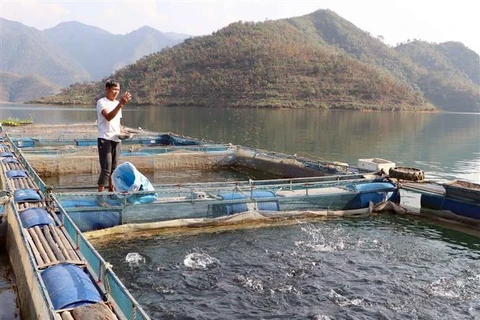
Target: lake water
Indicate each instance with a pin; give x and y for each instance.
(384, 267)
(445, 145)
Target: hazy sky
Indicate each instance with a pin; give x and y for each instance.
(397, 21)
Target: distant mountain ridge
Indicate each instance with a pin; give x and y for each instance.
(101, 52)
(319, 60)
(29, 52)
(72, 52)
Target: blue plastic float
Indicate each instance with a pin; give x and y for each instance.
(35, 217)
(69, 286)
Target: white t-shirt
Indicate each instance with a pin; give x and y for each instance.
(108, 129)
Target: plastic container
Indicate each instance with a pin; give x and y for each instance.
(267, 205)
(374, 192)
(16, 174)
(26, 195)
(35, 217)
(375, 164)
(95, 220)
(231, 208)
(6, 154)
(126, 178)
(10, 160)
(69, 286)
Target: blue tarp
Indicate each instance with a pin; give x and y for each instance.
(126, 178)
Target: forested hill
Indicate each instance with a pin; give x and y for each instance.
(452, 79)
(315, 61)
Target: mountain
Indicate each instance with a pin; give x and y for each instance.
(101, 52)
(28, 52)
(318, 60)
(16, 88)
(450, 80)
(69, 53)
(87, 45)
(452, 73)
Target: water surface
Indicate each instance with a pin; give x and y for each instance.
(445, 145)
(384, 267)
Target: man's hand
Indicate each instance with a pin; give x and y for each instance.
(126, 97)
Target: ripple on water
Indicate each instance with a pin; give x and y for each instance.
(382, 267)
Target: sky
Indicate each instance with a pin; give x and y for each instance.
(396, 21)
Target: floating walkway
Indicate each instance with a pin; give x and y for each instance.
(56, 150)
(59, 275)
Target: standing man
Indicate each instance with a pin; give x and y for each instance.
(109, 113)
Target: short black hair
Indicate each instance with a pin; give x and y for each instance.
(111, 83)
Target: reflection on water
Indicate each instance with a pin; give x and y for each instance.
(8, 304)
(444, 145)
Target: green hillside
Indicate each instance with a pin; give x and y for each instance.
(452, 79)
(315, 61)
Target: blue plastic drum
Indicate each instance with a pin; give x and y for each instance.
(69, 286)
(35, 217)
(26, 195)
(9, 160)
(266, 205)
(16, 174)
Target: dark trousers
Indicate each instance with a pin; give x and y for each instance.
(108, 153)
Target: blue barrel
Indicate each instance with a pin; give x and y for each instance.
(371, 192)
(26, 195)
(9, 160)
(88, 202)
(95, 220)
(372, 186)
(6, 154)
(69, 286)
(267, 205)
(234, 207)
(35, 217)
(16, 174)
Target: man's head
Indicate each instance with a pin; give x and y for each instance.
(111, 83)
(112, 88)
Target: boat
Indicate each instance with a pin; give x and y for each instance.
(456, 200)
(65, 275)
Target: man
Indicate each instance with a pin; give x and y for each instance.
(109, 113)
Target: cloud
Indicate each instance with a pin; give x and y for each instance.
(35, 13)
